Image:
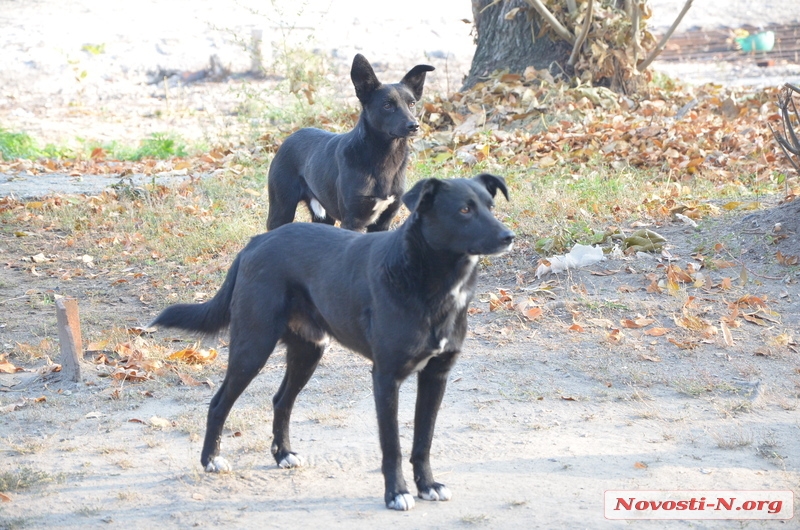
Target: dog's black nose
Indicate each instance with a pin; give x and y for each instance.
(413, 126)
(508, 237)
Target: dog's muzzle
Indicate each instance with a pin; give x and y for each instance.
(505, 242)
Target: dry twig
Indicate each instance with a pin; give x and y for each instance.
(562, 32)
(587, 23)
(790, 145)
(660, 47)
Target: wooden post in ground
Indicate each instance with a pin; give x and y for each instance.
(69, 338)
(256, 58)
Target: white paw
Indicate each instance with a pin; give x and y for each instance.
(218, 465)
(436, 493)
(402, 502)
(291, 460)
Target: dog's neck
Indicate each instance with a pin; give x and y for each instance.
(437, 273)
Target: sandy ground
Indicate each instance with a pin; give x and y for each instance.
(537, 422)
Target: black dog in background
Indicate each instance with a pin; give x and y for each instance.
(399, 298)
(356, 178)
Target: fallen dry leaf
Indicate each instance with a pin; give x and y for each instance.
(684, 345)
(7, 368)
(194, 355)
(614, 336)
(786, 260)
(656, 332)
(635, 324)
(161, 423)
(726, 333)
(532, 313)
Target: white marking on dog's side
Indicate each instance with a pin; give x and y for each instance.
(382, 204)
(437, 493)
(379, 208)
(402, 502)
(458, 292)
(218, 465)
(317, 208)
(291, 460)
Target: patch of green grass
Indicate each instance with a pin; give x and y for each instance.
(157, 145)
(22, 478)
(693, 387)
(733, 440)
(17, 145)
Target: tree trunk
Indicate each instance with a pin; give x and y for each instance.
(510, 44)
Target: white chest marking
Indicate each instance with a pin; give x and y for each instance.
(424, 362)
(379, 208)
(458, 292)
(382, 204)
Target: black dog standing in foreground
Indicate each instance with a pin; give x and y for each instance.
(398, 298)
(357, 177)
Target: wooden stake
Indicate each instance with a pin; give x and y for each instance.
(256, 59)
(69, 338)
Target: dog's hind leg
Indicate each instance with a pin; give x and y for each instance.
(302, 357)
(249, 350)
(285, 193)
(431, 382)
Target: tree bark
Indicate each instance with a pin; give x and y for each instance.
(510, 44)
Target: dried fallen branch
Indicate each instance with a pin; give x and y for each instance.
(790, 145)
(562, 32)
(660, 47)
(587, 23)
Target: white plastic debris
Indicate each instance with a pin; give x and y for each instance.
(686, 220)
(579, 256)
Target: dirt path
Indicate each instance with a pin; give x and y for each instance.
(538, 421)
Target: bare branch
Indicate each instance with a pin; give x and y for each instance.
(562, 32)
(636, 32)
(658, 49)
(629, 8)
(587, 23)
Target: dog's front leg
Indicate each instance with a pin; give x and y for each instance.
(386, 388)
(431, 383)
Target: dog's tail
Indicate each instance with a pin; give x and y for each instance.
(208, 317)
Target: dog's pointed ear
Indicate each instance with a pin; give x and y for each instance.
(492, 183)
(420, 197)
(415, 79)
(363, 77)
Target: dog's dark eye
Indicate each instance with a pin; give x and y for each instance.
(465, 210)
(388, 106)
(411, 104)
